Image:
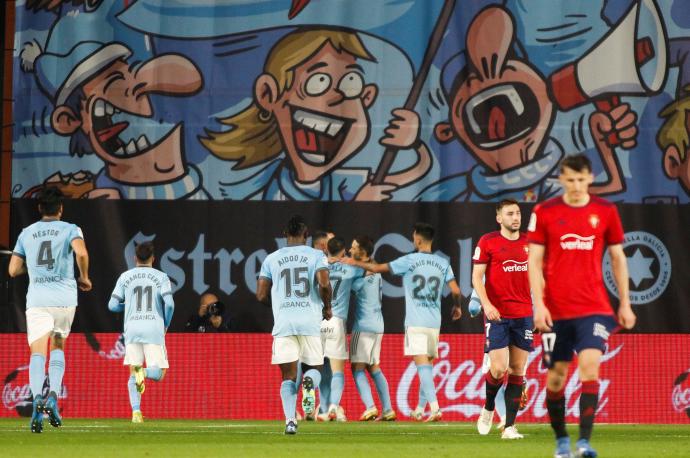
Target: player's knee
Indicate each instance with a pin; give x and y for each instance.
(57, 341)
(516, 369)
(555, 379)
(498, 369)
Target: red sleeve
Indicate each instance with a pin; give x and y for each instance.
(614, 228)
(535, 230)
(481, 253)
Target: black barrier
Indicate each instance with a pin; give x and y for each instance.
(219, 246)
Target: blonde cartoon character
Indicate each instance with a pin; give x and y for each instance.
(308, 117)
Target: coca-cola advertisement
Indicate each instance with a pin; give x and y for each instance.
(230, 376)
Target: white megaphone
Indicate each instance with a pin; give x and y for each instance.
(632, 59)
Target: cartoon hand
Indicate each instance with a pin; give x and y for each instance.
(403, 130)
(102, 193)
(375, 192)
(615, 127)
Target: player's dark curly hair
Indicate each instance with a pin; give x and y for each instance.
(144, 251)
(576, 162)
(296, 227)
(425, 231)
(335, 245)
(50, 201)
(365, 243)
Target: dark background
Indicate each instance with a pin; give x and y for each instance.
(250, 226)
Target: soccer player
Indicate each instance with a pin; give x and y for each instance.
(145, 295)
(45, 250)
(319, 240)
(294, 281)
(423, 275)
(367, 334)
(334, 331)
(499, 277)
(567, 236)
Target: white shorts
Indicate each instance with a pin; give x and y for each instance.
(334, 335)
(421, 341)
(48, 320)
(365, 347)
(154, 355)
(307, 349)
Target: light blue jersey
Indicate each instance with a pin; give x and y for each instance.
(297, 305)
(148, 304)
(424, 276)
(46, 248)
(368, 314)
(342, 276)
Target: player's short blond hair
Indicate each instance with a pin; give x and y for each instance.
(674, 130)
(253, 140)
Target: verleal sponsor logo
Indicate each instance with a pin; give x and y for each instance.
(514, 266)
(460, 386)
(680, 397)
(577, 242)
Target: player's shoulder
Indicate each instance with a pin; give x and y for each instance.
(549, 204)
(601, 202)
(489, 236)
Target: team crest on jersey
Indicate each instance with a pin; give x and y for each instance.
(594, 221)
(526, 248)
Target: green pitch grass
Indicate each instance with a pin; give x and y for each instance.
(119, 438)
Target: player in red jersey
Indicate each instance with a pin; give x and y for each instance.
(499, 277)
(567, 237)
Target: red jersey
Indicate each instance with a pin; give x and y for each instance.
(574, 239)
(506, 280)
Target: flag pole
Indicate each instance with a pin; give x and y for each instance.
(418, 84)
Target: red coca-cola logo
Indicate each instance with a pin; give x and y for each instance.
(680, 396)
(460, 385)
(16, 393)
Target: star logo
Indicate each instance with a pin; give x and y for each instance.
(639, 268)
(649, 267)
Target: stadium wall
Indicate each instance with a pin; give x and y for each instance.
(644, 379)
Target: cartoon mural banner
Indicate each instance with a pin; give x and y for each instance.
(297, 100)
(219, 247)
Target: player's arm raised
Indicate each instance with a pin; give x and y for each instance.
(478, 271)
(542, 316)
(456, 312)
(369, 266)
(325, 292)
(82, 256)
(619, 265)
(263, 291)
(17, 266)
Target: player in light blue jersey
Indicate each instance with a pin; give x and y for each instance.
(294, 282)
(334, 331)
(145, 295)
(45, 250)
(424, 275)
(367, 335)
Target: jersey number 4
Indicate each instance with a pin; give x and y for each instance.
(45, 255)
